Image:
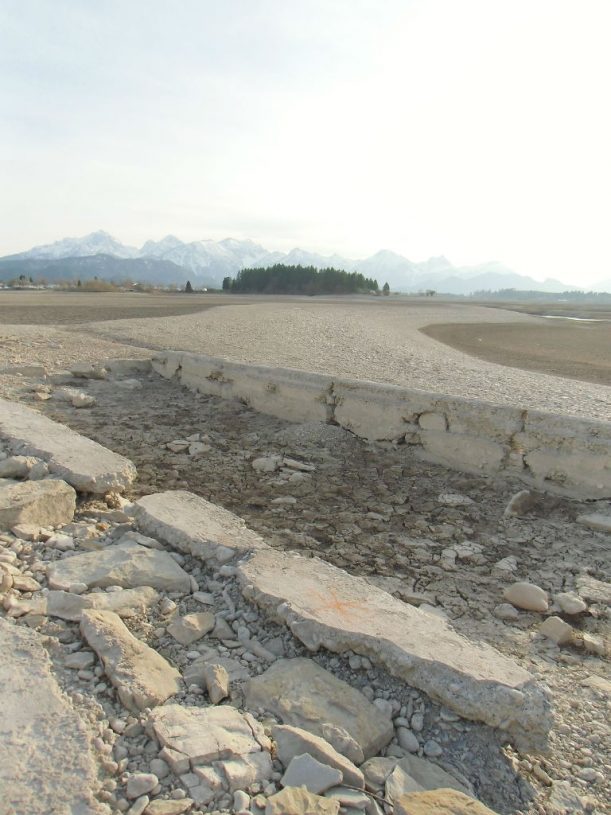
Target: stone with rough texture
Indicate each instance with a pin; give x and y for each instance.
(305, 695)
(298, 801)
(594, 591)
(203, 735)
(571, 603)
(520, 504)
(556, 630)
(46, 765)
(126, 564)
(596, 521)
(217, 681)
(527, 596)
(170, 807)
(440, 802)
(70, 606)
(326, 607)
(294, 741)
(39, 503)
(306, 771)
(413, 774)
(194, 526)
(191, 627)
(142, 677)
(83, 463)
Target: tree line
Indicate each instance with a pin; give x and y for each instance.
(280, 279)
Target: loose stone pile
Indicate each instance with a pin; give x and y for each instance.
(199, 661)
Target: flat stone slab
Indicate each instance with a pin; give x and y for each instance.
(123, 564)
(46, 761)
(69, 606)
(83, 463)
(597, 521)
(193, 525)
(38, 503)
(307, 696)
(326, 607)
(142, 677)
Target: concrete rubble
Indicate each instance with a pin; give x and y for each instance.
(166, 656)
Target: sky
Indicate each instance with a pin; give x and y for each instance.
(479, 129)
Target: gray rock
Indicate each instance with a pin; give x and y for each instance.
(39, 503)
(294, 741)
(142, 677)
(217, 681)
(191, 627)
(324, 606)
(140, 783)
(306, 771)
(127, 565)
(81, 462)
(303, 694)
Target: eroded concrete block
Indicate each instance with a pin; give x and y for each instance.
(325, 606)
(83, 463)
(36, 503)
(195, 526)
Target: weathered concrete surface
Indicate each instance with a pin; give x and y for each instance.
(305, 695)
(142, 677)
(440, 802)
(37, 503)
(561, 454)
(83, 463)
(46, 761)
(125, 564)
(193, 525)
(325, 606)
(69, 606)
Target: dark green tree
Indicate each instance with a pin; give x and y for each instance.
(226, 283)
(386, 289)
(189, 288)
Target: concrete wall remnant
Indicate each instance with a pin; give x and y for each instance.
(562, 454)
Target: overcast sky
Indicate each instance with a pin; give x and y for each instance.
(478, 129)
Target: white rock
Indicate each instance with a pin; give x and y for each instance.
(527, 596)
(17, 466)
(83, 463)
(449, 499)
(141, 783)
(295, 741)
(267, 464)
(305, 695)
(217, 682)
(596, 520)
(127, 565)
(191, 627)
(82, 400)
(571, 603)
(555, 629)
(306, 771)
(505, 611)
(142, 677)
(39, 503)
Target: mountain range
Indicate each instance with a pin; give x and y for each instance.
(207, 262)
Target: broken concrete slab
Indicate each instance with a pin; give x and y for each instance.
(38, 503)
(191, 627)
(295, 741)
(203, 735)
(69, 606)
(46, 761)
(126, 564)
(298, 801)
(593, 590)
(83, 463)
(142, 677)
(413, 774)
(326, 607)
(305, 695)
(193, 525)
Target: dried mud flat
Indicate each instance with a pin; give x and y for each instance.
(375, 511)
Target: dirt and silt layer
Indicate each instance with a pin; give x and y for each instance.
(376, 510)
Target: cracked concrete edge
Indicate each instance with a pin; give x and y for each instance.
(81, 462)
(556, 453)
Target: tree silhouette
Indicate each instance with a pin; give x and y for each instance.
(189, 288)
(386, 289)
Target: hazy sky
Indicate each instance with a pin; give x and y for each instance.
(478, 129)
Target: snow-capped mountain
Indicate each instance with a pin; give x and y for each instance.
(96, 243)
(207, 262)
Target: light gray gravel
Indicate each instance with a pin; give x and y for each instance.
(357, 340)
